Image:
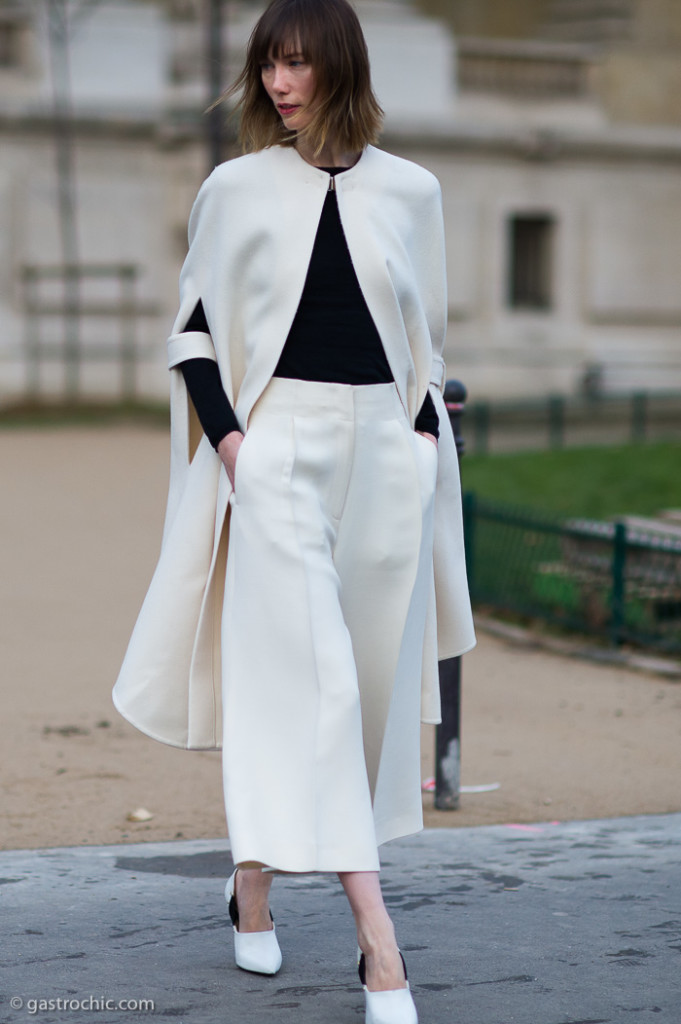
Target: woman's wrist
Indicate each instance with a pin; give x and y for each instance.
(228, 441)
(228, 449)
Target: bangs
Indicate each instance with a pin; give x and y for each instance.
(283, 32)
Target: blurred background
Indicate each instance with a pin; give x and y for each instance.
(553, 125)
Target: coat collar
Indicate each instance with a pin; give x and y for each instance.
(289, 160)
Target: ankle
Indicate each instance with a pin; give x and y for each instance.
(251, 894)
(252, 883)
(377, 939)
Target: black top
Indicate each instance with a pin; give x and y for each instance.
(333, 336)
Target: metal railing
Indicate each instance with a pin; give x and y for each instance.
(60, 301)
(619, 581)
(557, 421)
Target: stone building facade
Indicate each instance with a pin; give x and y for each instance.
(560, 179)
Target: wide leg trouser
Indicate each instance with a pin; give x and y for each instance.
(329, 575)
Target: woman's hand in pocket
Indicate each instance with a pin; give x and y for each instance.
(228, 449)
(428, 437)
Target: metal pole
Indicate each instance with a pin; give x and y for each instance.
(32, 334)
(448, 733)
(618, 601)
(126, 276)
(639, 416)
(214, 55)
(448, 738)
(58, 29)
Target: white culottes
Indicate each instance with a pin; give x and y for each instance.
(329, 575)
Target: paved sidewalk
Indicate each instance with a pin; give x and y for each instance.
(576, 923)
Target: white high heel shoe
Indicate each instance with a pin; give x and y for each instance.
(253, 951)
(394, 1006)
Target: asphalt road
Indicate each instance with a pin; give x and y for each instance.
(573, 923)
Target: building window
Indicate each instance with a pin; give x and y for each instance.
(11, 26)
(530, 261)
(7, 45)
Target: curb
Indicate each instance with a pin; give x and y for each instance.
(667, 668)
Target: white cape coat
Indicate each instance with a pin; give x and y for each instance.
(251, 234)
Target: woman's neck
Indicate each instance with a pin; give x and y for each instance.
(331, 155)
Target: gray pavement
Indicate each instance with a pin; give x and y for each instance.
(574, 923)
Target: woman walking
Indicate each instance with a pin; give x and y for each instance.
(312, 567)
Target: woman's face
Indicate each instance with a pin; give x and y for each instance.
(290, 83)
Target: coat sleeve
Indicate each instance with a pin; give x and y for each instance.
(169, 683)
(194, 344)
(431, 270)
(186, 434)
(454, 617)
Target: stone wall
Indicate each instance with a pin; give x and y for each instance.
(609, 191)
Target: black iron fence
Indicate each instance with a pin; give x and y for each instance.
(620, 581)
(557, 421)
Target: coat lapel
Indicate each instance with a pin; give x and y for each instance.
(296, 197)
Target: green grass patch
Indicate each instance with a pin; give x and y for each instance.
(596, 482)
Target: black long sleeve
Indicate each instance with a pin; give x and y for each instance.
(202, 377)
(213, 408)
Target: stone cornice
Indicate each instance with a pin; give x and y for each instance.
(539, 143)
(181, 127)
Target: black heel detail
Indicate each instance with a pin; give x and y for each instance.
(362, 968)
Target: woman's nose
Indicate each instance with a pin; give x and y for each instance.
(280, 80)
